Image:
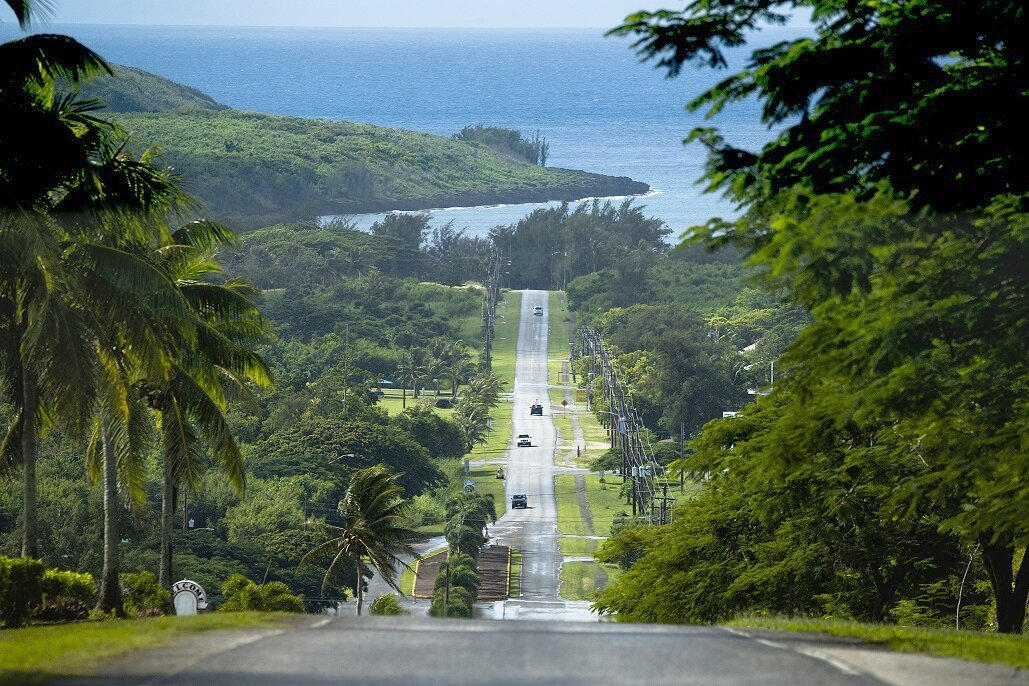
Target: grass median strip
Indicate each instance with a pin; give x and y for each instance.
(37, 654)
(581, 580)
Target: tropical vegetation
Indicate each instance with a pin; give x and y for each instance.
(253, 169)
(888, 460)
(371, 533)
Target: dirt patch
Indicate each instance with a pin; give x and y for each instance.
(428, 570)
(494, 573)
(584, 506)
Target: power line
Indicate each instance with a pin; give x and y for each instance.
(626, 431)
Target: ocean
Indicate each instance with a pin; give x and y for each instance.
(599, 108)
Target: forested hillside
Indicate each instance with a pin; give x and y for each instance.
(253, 169)
(130, 89)
(348, 317)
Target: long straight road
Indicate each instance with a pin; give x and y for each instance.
(530, 471)
(420, 651)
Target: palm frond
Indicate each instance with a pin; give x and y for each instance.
(45, 57)
(10, 447)
(205, 234)
(180, 445)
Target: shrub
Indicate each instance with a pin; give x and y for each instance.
(243, 595)
(60, 583)
(61, 608)
(389, 605)
(425, 509)
(458, 604)
(20, 589)
(143, 595)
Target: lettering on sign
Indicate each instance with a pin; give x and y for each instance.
(188, 597)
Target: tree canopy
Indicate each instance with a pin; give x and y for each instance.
(892, 207)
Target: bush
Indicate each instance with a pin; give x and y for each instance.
(143, 595)
(20, 589)
(61, 608)
(66, 584)
(425, 509)
(243, 595)
(458, 604)
(388, 605)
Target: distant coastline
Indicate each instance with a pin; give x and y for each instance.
(602, 187)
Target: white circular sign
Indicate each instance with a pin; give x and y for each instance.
(188, 597)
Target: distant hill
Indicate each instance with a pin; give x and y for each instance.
(253, 169)
(134, 90)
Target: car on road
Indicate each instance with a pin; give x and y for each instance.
(524, 441)
(519, 501)
(537, 311)
(536, 409)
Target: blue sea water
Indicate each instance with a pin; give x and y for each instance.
(597, 105)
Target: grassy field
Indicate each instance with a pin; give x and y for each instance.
(515, 588)
(37, 654)
(578, 547)
(968, 645)
(569, 517)
(505, 341)
(557, 338)
(605, 502)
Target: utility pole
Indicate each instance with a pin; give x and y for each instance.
(629, 436)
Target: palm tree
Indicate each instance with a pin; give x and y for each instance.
(371, 532)
(46, 148)
(219, 360)
(409, 370)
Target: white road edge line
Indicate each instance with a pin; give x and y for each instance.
(836, 663)
(232, 645)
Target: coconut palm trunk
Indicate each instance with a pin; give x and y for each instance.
(167, 524)
(110, 587)
(30, 529)
(360, 586)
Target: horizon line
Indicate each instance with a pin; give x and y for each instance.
(41, 27)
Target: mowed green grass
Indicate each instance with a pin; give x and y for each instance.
(582, 580)
(394, 403)
(605, 502)
(557, 338)
(33, 655)
(515, 587)
(569, 516)
(967, 645)
(505, 337)
(578, 547)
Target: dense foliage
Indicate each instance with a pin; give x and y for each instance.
(254, 169)
(128, 89)
(508, 141)
(891, 207)
(550, 247)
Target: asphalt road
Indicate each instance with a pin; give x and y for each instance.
(415, 651)
(533, 530)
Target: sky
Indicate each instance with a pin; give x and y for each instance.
(353, 13)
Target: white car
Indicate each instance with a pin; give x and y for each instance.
(537, 311)
(524, 441)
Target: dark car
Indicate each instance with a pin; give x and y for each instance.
(536, 409)
(519, 501)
